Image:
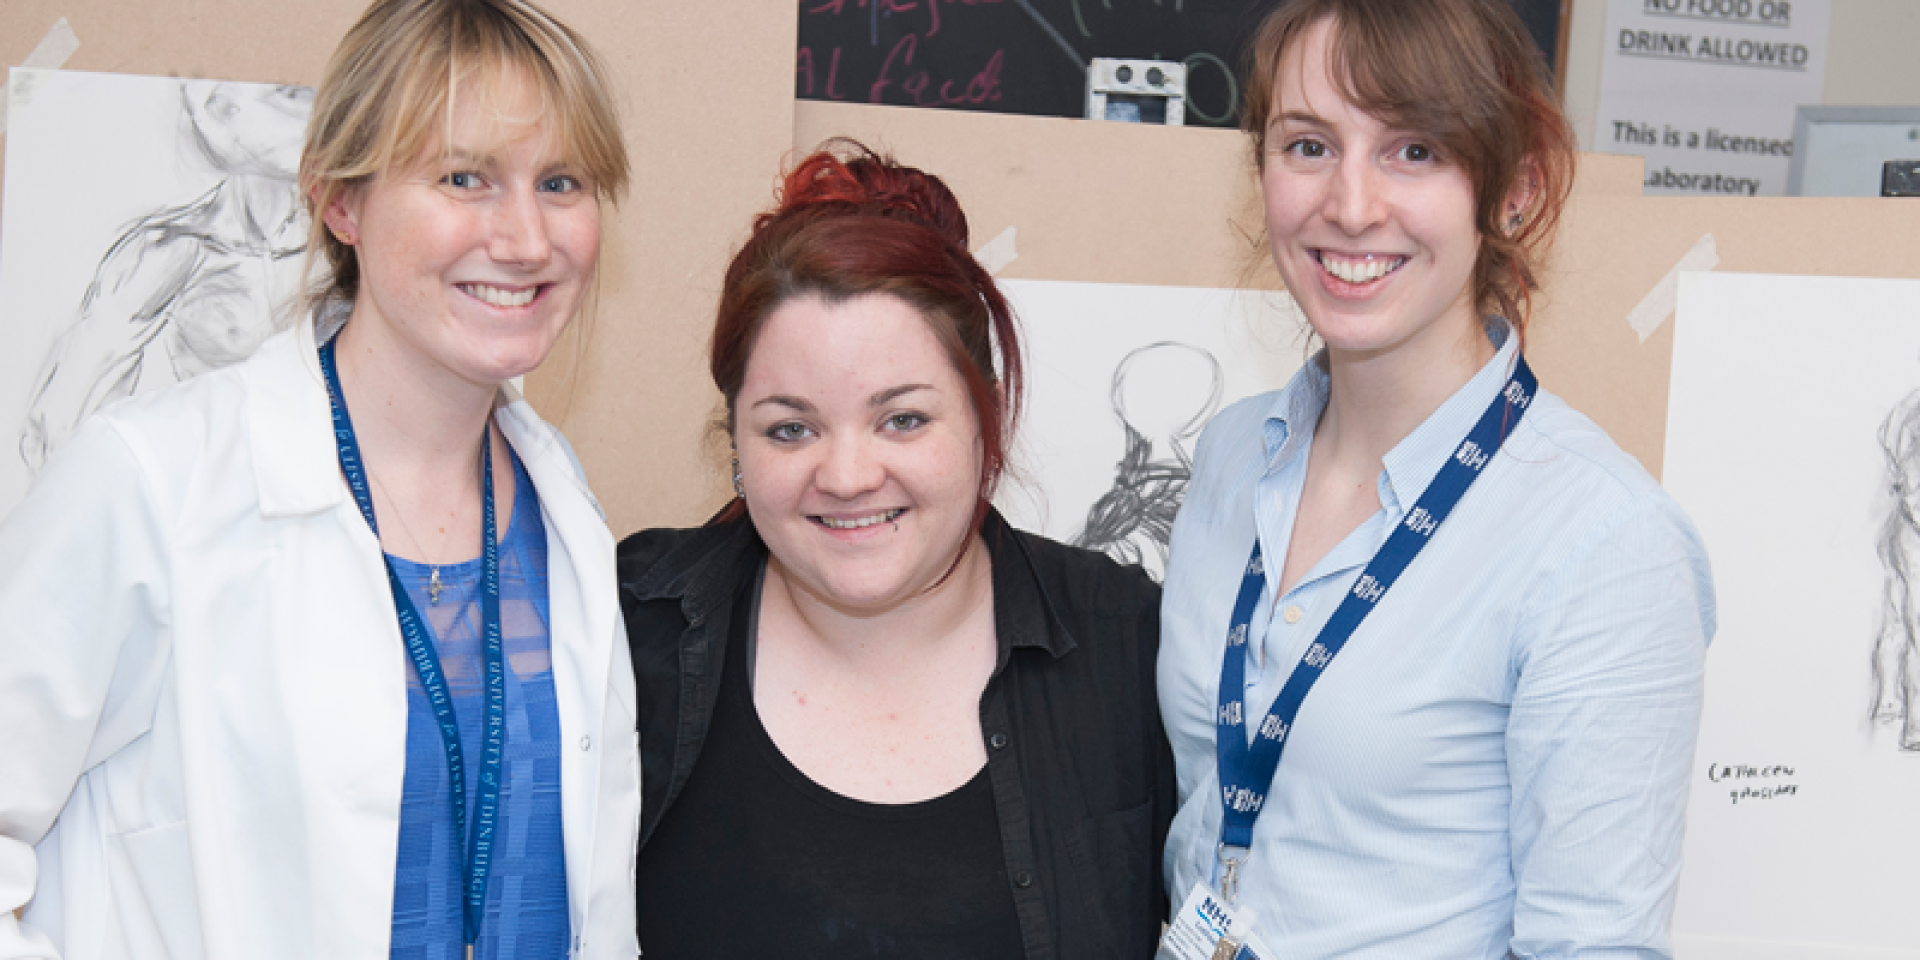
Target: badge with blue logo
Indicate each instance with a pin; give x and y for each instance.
(1207, 927)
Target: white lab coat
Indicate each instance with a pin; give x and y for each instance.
(203, 702)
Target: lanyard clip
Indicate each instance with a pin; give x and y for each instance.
(1230, 875)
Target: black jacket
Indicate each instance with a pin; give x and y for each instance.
(1082, 776)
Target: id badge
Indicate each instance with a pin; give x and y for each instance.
(1206, 927)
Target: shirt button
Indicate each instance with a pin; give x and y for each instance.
(1023, 879)
(586, 743)
(1292, 614)
(998, 741)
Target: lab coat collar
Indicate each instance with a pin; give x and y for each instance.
(290, 423)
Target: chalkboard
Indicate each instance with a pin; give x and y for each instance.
(1030, 56)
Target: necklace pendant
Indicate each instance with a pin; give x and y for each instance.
(434, 587)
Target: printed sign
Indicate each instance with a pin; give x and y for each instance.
(1706, 90)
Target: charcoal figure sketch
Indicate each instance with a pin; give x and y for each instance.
(1122, 378)
(192, 285)
(1896, 653)
(1808, 511)
(1162, 394)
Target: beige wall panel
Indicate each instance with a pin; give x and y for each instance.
(1613, 250)
(710, 120)
(1608, 175)
(1123, 204)
(226, 39)
(708, 99)
(705, 92)
(1111, 202)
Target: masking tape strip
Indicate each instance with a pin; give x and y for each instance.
(1660, 302)
(995, 254)
(50, 53)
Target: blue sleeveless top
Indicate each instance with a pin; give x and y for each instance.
(527, 890)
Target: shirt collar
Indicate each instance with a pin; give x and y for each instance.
(1023, 613)
(1414, 461)
(1295, 410)
(1412, 464)
(704, 572)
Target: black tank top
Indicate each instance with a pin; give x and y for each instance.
(756, 860)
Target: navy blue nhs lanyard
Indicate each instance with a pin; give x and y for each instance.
(426, 663)
(1246, 771)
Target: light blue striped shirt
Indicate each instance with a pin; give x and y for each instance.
(1499, 758)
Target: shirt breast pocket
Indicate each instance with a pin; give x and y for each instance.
(1112, 857)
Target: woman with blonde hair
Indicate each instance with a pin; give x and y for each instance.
(316, 655)
(1434, 646)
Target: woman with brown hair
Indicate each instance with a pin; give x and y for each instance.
(1434, 644)
(317, 654)
(876, 720)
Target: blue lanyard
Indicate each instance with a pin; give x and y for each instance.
(1246, 771)
(426, 663)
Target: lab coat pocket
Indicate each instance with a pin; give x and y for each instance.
(154, 888)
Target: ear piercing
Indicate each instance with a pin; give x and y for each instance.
(739, 489)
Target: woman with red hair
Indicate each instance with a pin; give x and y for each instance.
(875, 719)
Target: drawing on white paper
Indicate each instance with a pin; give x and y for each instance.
(1121, 381)
(1896, 650)
(188, 287)
(1795, 449)
(154, 232)
(1163, 394)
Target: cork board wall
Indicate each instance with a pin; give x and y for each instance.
(706, 92)
(1120, 204)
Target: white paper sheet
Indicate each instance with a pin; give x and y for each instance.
(174, 202)
(1781, 387)
(1178, 354)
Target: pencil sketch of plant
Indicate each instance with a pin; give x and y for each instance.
(1162, 394)
(1896, 653)
(193, 285)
